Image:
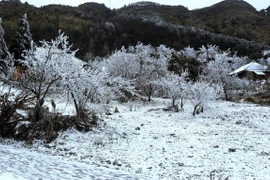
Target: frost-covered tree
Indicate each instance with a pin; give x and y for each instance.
(174, 87)
(51, 63)
(266, 54)
(53, 69)
(46, 68)
(59, 71)
(207, 53)
(4, 54)
(218, 66)
(185, 59)
(151, 69)
(85, 87)
(201, 93)
(122, 63)
(141, 64)
(22, 41)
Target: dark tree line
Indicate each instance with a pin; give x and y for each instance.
(98, 31)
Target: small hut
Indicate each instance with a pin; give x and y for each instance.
(252, 71)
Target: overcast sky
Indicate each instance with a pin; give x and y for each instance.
(190, 4)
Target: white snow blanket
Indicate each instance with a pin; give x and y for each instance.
(227, 140)
(23, 164)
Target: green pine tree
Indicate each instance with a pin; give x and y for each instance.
(4, 54)
(22, 41)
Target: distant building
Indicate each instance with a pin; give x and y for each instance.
(252, 71)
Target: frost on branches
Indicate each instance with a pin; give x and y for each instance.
(201, 93)
(52, 69)
(141, 65)
(174, 87)
(81, 85)
(45, 68)
(86, 87)
(266, 53)
(185, 59)
(218, 66)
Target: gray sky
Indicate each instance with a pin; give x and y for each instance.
(190, 4)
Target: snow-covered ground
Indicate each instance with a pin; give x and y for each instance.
(228, 140)
(23, 164)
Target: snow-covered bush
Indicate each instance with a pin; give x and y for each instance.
(201, 93)
(11, 100)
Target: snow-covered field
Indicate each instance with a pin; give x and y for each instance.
(228, 140)
(23, 164)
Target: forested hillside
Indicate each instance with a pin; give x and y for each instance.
(98, 31)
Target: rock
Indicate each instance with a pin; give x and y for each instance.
(116, 110)
(108, 113)
(231, 150)
(180, 164)
(238, 122)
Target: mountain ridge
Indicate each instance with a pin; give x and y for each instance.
(97, 30)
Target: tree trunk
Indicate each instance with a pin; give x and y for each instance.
(182, 104)
(79, 109)
(148, 91)
(196, 109)
(225, 90)
(149, 98)
(201, 109)
(225, 93)
(37, 112)
(173, 102)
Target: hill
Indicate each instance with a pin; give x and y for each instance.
(97, 30)
(236, 18)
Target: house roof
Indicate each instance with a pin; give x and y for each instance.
(259, 72)
(252, 67)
